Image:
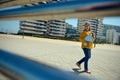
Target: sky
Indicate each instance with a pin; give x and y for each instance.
(112, 20)
(12, 26)
(106, 20)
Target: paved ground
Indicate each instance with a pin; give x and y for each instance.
(2, 77)
(104, 64)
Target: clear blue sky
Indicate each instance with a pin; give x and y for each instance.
(13, 26)
(112, 20)
(9, 26)
(72, 21)
(106, 20)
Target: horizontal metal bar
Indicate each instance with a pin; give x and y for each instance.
(28, 69)
(63, 8)
(80, 5)
(92, 14)
(10, 3)
(57, 6)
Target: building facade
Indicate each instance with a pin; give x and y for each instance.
(95, 23)
(112, 36)
(33, 27)
(71, 31)
(56, 28)
(44, 27)
(108, 26)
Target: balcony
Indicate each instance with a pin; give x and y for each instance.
(36, 21)
(57, 32)
(39, 32)
(30, 28)
(59, 21)
(56, 26)
(29, 24)
(27, 31)
(41, 26)
(31, 21)
(43, 30)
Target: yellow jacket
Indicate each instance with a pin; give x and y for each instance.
(82, 36)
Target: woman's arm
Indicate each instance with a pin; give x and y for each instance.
(93, 35)
(82, 37)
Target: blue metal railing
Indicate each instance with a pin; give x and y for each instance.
(75, 4)
(32, 70)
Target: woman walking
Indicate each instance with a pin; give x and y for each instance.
(86, 46)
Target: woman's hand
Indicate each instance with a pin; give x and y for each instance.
(87, 42)
(92, 33)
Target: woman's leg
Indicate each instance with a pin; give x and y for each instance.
(87, 57)
(81, 60)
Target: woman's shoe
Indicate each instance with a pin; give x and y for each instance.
(87, 71)
(78, 65)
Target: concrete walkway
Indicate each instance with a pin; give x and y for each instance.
(104, 63)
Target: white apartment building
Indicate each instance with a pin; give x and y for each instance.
(44, 27)
(112, 36)
(57, 28)
(95, 23)
(33, 27)
(109, 26)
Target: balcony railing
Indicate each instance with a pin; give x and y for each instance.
(25, 27)
(29, 24)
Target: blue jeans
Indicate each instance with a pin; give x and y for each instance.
(85, 59)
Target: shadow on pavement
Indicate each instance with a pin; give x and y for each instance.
(78, 71)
